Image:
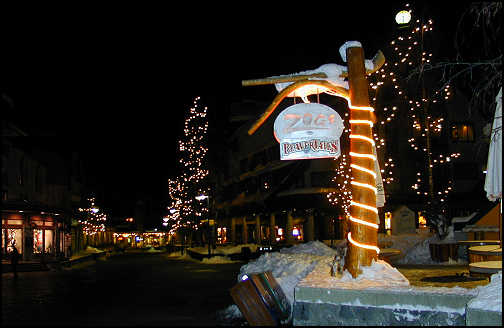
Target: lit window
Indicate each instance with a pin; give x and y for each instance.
(388, 218)
(422, 222)
(462, 132)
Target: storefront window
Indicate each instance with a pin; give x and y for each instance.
(37, 240)
(49, 245)
(14, 236)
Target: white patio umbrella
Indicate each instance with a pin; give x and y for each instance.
(493, 179)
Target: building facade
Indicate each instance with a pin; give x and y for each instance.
(39, 193)
(262, 199)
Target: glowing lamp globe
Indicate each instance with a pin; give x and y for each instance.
(403, 17)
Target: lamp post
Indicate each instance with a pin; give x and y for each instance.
(201, 197)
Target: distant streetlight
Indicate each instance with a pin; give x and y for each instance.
(201, 197)
(403, 17)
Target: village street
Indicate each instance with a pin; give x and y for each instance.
(131, 289)
(151, 289)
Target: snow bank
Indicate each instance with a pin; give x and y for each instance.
(379, 274)
(225, 250)
(489, 296)
(415, 247)
(288, 269)
(288, 266)
(153, 250)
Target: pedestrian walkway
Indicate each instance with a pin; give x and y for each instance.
(49, 262)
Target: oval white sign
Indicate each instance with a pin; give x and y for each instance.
(308, 121)
(308, 130)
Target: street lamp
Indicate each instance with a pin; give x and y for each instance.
(403, 17)
(201, 197)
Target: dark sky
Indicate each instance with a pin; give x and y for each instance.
(115, 81)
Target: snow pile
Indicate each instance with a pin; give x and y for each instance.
(415, 247)
(288, 266)
(419, 253)
(312, 247)
(288, 269)
(379, 274)
(153, 250)
(225, 250)
(489, 296)
(91, 250)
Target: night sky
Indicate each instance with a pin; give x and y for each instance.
(114, 82)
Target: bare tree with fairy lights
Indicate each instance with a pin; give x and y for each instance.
(185, 212)
(92, 219)
(421, 102)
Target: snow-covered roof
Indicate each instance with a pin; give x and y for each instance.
(463, 219)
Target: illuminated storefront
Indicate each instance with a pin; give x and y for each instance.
(140, 239)
(34, 233)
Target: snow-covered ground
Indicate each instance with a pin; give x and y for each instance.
(415, 247)
(291, 265)
(490, 296)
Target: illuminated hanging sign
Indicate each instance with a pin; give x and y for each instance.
(308, 131)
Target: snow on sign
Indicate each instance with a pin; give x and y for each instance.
(307, 131)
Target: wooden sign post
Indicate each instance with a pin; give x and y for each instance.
(363, 235)
(363, 206)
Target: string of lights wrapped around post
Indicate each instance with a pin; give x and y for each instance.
(363, 235)
(363, 214)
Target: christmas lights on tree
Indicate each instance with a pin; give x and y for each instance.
(185, 211)
(92, 220)
(410, 99)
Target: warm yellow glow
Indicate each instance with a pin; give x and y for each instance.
(360, 168)
(388, 220)
(367, 207)
(403, 17)
(422, 222)
(370, 156)
(376, 249)
(361, 122)
(358, 136)
(364, 185)
(372, 225)
(370, 109)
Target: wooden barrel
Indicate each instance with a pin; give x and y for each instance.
(281, 306)
(485, 253)
(251, 304)
(261, 300)
(486, 268)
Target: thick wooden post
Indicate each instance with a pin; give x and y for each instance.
(362, 238)
(233, 230)
(310, 227)
(244, 231)
(288, 229)
(258, 229)
(272, 230)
